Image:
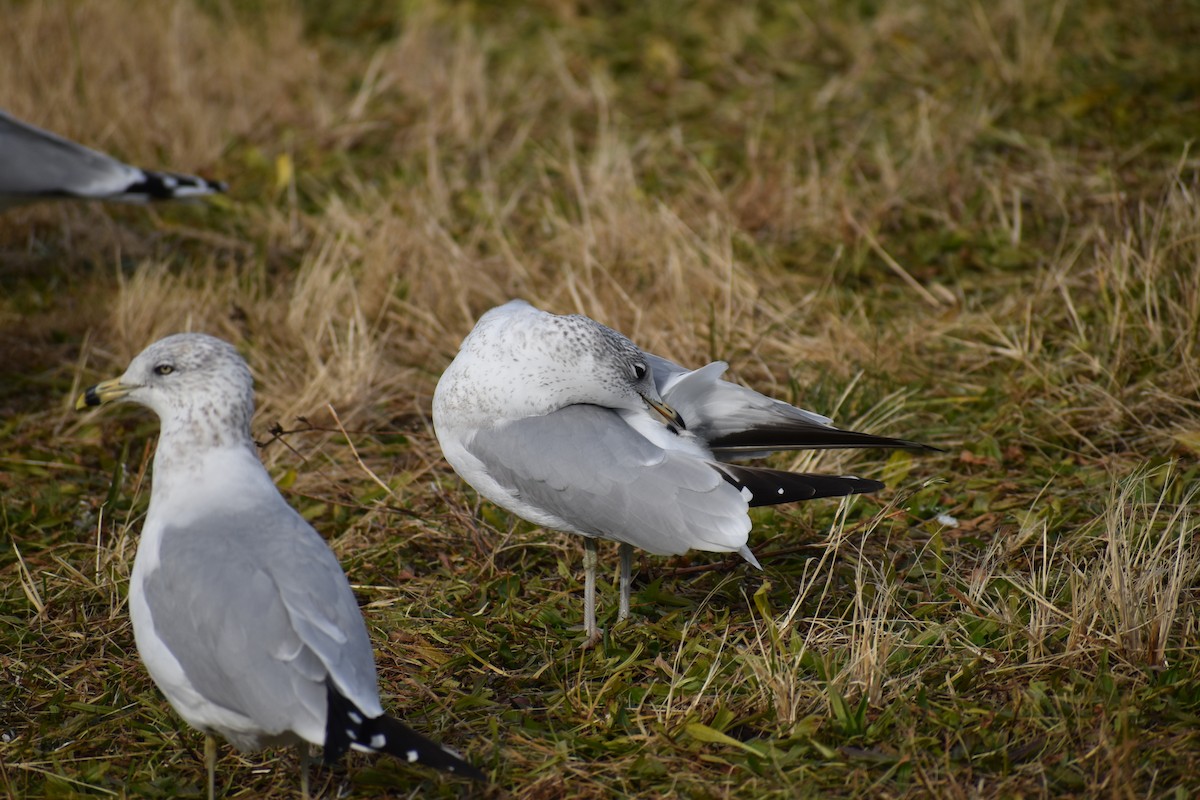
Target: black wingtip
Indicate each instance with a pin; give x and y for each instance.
(808, 436)
(174, 186)
(770, 487)
(347, 726)
(407, 745)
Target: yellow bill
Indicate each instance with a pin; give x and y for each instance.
(102, 393)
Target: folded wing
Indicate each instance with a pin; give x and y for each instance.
(584, 465)
(738, 422)
(260, 621)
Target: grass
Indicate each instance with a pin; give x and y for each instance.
(976, 225)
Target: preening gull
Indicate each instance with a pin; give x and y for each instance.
(241, 612)
(567, 423)
(39, 165)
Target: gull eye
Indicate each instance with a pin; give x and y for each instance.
(639, 370)
(163, 369)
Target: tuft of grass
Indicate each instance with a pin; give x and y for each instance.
(1150, 564)
(975, 226)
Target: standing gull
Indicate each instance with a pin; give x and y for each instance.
(39, 165)
(241, 612)
(565, 422)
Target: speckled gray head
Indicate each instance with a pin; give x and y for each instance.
(618, 362)
(521, 361)
(189, 380)
(615, 358)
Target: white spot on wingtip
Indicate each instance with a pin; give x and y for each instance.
(412, 756)
(355, 717)
(378, 741)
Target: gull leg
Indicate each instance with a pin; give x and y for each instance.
(626, 551)
(305, 761)
(590, 557)
(210, 763)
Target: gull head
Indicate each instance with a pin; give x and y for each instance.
(520, 361)
(587, 362)
(623, 367)
(191, 381)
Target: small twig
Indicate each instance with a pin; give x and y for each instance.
(732, 561)
(31, 462)
(892, 263)
(357, 457)
(6, 781)
(277, 433)
(99, 541)
(27, 584)
(57, 775)
(354, 504)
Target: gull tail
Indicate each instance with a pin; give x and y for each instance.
(769, 487)
(347, 727)
(744, 552)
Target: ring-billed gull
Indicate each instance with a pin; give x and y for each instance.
(567, 423)
(241, 612)
(39, 165)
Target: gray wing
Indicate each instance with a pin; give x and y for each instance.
(38, 164)
(257, 611)
(738, 422)
(586, 466)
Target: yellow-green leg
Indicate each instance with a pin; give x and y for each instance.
(210, 763)
(626, 551)
(590, 558)
(305, 762)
